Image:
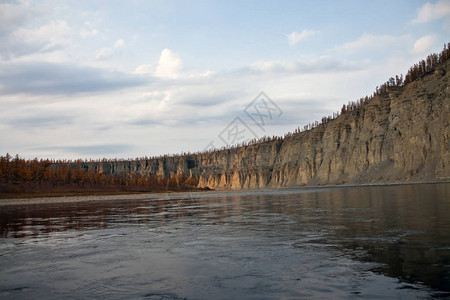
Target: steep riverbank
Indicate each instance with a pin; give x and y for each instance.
(399, 136)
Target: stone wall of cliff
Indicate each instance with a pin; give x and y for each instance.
(402, 135)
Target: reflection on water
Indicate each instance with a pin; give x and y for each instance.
(369, 242)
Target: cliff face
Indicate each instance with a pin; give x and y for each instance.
(402, 135)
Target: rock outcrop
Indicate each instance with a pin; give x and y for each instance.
(401, 135)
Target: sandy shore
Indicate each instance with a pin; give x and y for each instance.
(187, 195)
(149, 196)
(44, 200)
(143, 196)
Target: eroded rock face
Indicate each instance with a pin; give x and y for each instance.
(399, 136)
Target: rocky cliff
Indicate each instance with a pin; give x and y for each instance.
(401, 135)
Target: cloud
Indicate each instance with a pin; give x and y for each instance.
(169, 65)
(144, 69)
(103, 54)
(374, 43)
(43, 78)
(25, 30)
(15, 15)
(295, 37)
(86, 33)
(424, 44)
(119, 43)
(429, 11)
(208, 100)
(91, 149)
(52, 121)
(54, 34)
(49, 37)
(108, 53)
(320, 65)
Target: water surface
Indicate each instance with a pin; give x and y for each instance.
(349, 242)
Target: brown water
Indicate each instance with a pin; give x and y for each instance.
(350, 242)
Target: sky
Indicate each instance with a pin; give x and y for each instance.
(127, 79)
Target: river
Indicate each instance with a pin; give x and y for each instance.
(367, 242)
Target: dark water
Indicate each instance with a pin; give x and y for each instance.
(361, 242)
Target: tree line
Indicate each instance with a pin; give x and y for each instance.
(18, 175)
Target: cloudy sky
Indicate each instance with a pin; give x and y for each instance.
(93, 79)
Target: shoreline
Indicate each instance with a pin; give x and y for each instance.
(189, 194)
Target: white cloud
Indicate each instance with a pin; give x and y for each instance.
(103, 53)
(15, 15)
(430, 11)
(144, 69)
(323, 64)
(295, 37)
(169, 65)
(86, 33)
(119, 43)
(49, 37)
(268, 66)
(56, 32)
(374, 43)
(203, 74)
(107, 53)
(424, 44)
(28, 31)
